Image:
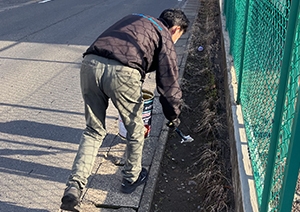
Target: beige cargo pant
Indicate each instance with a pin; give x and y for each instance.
(101, 79)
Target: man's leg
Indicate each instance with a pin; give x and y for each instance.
(96, 103)
(125, 91)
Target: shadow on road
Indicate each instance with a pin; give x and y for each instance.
(10, 206)
(41, 130)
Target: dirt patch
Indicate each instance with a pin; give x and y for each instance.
(197, 176)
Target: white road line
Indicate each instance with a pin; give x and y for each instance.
(18, 5)
(44, 1)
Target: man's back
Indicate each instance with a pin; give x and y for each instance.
(136, 41)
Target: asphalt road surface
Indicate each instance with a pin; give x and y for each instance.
(41, 109)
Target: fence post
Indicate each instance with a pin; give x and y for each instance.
(239, 88)
(284, 73)
(292, 164)
(229, 18)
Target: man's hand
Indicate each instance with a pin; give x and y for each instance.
(174, 123)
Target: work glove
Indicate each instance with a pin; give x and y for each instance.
(174, 123)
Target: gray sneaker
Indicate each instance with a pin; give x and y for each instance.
(128, 187)
(71, 198)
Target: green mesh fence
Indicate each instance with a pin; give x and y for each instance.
(235, 23)
(267, 69)
(263, 51)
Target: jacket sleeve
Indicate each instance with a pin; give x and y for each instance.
(167, 81)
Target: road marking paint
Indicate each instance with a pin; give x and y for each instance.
(18, 5)
(44, 1)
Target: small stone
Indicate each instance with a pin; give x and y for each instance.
(192, 182)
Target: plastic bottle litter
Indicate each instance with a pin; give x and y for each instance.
(200, 48)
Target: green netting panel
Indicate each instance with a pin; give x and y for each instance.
(265, 39)
(235, 20)
(286, 126)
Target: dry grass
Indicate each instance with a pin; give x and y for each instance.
(212, 178)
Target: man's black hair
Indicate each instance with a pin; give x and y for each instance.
(172, 17)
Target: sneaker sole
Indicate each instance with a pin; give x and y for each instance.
(69, 203)
(68, 207)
